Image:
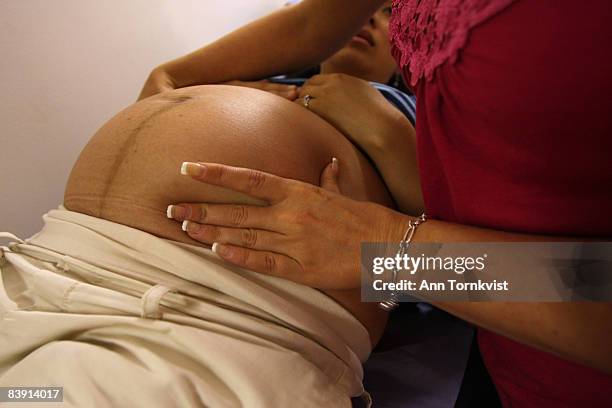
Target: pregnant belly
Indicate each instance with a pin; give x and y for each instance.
(129, 171)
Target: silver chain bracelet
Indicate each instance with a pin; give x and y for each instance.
(392, 303)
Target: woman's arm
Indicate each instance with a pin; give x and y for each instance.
(284, 41)
(393, 149)
(313, 236)
(578, 331)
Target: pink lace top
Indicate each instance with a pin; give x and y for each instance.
(424, 34)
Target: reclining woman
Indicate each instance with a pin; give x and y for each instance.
(74, 295)
(109, 182)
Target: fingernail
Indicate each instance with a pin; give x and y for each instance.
(219, 249)
(334, 164)
(175, 211)
(192, 169)
(190, 227)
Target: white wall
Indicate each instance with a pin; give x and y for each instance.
(67, 66)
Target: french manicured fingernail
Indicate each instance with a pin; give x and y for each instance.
(176, 211)
(190, 226)
(334, 164)
(192, 169)
(219, 249)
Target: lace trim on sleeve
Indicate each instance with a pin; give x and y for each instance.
(424, 34)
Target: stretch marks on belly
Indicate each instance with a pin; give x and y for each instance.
(147, 122)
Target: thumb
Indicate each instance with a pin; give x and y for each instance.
(329, 177)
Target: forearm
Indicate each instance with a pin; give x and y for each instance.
(284, 41)
(314, 222)
(579, 332)
(395, 156)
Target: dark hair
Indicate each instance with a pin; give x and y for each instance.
(396, 80)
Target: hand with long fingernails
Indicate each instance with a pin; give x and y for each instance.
(306, 233)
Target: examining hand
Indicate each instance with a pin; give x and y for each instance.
(307, 234)
(354, 107)
(284, 90)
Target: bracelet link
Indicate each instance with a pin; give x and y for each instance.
(393, 301)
